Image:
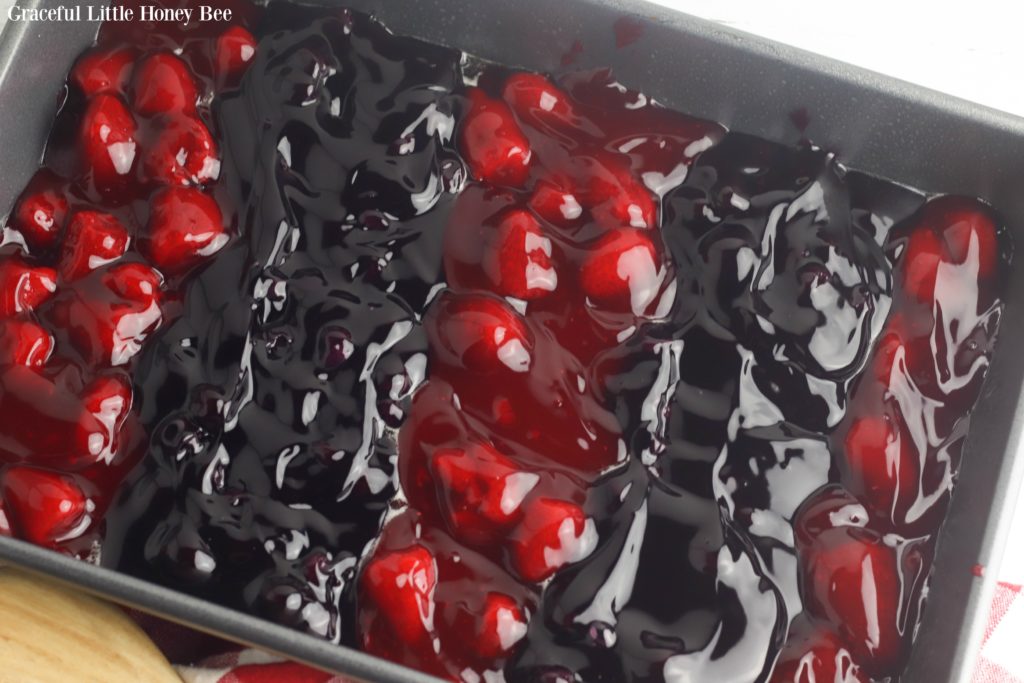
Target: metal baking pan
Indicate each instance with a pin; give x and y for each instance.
(877, 124)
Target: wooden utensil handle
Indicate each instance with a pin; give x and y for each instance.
(50, 634)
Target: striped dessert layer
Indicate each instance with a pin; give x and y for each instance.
(497, 375)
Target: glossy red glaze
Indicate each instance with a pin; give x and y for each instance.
(496, 150)
(852, 580)
(954, 231)
(553, 533)
(40, 217)
(235, 49)
(93, 239)
(521, 262)
(184, 153)
(968, 232)
(401, 586)
(882, 463)
(163, 85)
(923, 255)
(105, 318)
(567, 238)
(555, 204)
(538, 101)
(185, 227)
(616, 198)
(480, 333)
(108, 399)
(104, 71)
(24, 343)
(499, 628)
(423, 592)
(110, 147)
(43, 507)
(480, 491)
(624, 272)
(23, 287)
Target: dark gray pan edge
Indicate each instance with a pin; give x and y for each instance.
(877, 124)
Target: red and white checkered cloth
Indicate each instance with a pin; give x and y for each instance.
(1001, 659)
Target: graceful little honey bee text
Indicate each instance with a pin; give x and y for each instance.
(106, 13)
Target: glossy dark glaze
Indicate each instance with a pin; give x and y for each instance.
(312, 356)
(272, 402)
(740, 432)
(759, 421)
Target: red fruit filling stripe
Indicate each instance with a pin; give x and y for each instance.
(93, 257)
(898, 460)
(553, 256)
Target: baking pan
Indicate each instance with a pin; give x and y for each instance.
(876, 124)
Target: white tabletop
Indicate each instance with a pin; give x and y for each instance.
(969, 49)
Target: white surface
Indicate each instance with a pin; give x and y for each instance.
(1003, 648)
(973, 50)
(5, 5)
(1012, 568)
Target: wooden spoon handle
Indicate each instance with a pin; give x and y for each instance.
(50, 634)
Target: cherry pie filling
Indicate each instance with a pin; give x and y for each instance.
(489, 373)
